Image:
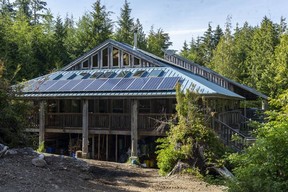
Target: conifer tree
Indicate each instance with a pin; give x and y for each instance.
(125, 31)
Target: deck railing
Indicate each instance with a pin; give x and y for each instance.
(231, 137)
(110, 121)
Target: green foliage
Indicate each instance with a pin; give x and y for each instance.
(264, 166)
(157, 41)
(125, 31)
(12, 116)
(41, 147)
(187, 136)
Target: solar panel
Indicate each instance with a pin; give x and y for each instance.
(57, 85)
(123, 84)
(42, 86)
(109, 84)
(168, 83)
(68, 86)
(95, 85)
(137, 84)
(153, 83)
(82, 85)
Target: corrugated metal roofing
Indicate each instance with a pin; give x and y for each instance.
(36, 87)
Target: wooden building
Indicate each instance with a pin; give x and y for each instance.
(106, 103)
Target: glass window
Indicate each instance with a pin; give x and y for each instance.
(136, 61)
(105, 57)
(140, 73)
(126, 59)
(85, 64)
(123, 74)
(95, 62)
(115, 57)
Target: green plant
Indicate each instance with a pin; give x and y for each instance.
(41, 147)
(190, 139)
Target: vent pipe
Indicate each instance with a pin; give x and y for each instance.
(135, 38)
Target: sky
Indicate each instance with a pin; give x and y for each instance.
(181, 19)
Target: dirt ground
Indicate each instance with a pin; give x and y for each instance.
(17, 173)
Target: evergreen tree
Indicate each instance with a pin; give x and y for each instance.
(263, 44)
(93, 28)
(207, 46)
(141, 36)
(60, 54)
(158, 41)
(185, 50)
(222, 61)
(125, 30)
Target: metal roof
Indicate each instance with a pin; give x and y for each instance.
(52, 85)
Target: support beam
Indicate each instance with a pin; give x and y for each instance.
(134, 127)
(85, 128)
(93, 146)
(107, 147)
(41, 122)
(116, 149)
(99, 137)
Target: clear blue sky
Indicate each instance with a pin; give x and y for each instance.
(182, 19)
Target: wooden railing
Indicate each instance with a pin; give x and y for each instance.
(110, 121)
(150, 122)
(231, 118)
(230, 136)
(62, 120)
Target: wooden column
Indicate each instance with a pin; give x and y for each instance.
(264, 105)
(107, 147)
(134, 126)
(85, 128)
(116, 149)
(93, 146)
(41, 122)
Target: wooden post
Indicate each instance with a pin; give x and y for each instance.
(134, 127)
(116, 149)
(93, 146)
(85, 129)
(99, 137)
(41, 122)
(107, 145)
(264, 105)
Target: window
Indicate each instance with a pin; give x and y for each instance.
(140, 73)
(136, 61)
(105, 57)
(85, 64)
(96, 75)
(115, 57)
(124, 74)
(126, 59)
(95, 62)
(108, 75)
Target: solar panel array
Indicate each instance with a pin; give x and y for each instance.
(113, 84)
